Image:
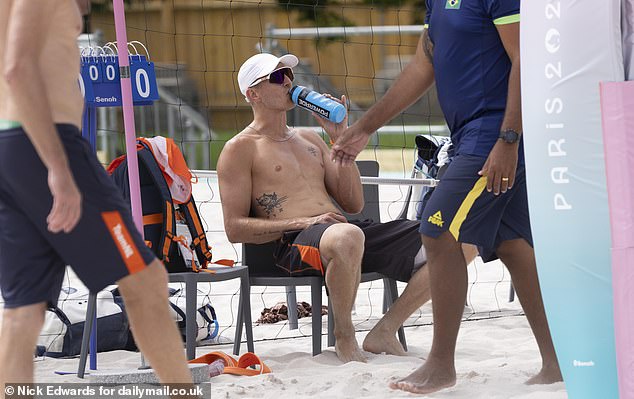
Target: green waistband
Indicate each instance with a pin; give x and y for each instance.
(6, 125)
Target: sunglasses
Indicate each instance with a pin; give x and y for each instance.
(277, 76)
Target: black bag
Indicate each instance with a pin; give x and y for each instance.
(432, 160)
(64, 324)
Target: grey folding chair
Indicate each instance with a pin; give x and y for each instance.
(263, 272)
(191, 281)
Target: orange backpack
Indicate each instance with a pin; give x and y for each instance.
(167, 204)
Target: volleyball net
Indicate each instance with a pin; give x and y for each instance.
(356, 48)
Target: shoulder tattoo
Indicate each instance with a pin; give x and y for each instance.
(428, 47)
(313, 151)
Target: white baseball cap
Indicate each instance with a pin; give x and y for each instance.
(261, 65)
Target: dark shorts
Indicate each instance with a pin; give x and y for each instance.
(104, 247)
(462, 205)
(390, 249)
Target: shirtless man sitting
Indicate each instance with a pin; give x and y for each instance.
(276, 184)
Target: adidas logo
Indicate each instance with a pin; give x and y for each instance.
(436, 219)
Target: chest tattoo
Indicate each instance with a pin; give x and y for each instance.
(271, 203)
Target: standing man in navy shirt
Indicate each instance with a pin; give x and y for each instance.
(471, 49)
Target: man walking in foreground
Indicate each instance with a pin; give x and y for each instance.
(57, 205)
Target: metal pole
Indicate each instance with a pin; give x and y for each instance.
(203, 174)
(128, 113)
(295, 33)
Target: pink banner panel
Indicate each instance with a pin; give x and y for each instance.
(617, 107)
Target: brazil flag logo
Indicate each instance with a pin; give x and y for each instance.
(452, 5)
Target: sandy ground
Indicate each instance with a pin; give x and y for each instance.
(494, 358)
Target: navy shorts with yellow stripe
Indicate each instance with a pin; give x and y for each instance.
(462, 205)
(104, 247)
(390, 249)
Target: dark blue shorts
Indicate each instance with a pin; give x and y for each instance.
(104, 247)
(390, 249)
(462, 205)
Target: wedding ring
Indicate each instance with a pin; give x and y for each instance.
(505, 179)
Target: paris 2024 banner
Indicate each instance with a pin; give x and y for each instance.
(568, 47)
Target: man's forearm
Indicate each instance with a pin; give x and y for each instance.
(513, 113)
(411, 84)
(258, 231)
(348, 189)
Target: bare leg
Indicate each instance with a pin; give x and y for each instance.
(341, 248)
(382, 338)
(519, 258)
(20, 329)
(145, 295)
(448, 281)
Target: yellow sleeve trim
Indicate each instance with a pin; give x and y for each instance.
(426, 26)
(509, 19)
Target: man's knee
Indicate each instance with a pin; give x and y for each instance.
(148, 286)
(436, 246)
(24, 319)
(342, 240)
(511, 250)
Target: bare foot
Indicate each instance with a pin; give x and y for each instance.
(547, 375)
(428, 378)
(380, 341)
(347, 350)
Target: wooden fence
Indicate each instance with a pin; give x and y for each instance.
(209, 40)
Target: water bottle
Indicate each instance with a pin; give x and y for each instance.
(318, 103)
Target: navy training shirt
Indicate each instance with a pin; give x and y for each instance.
(471, 68)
